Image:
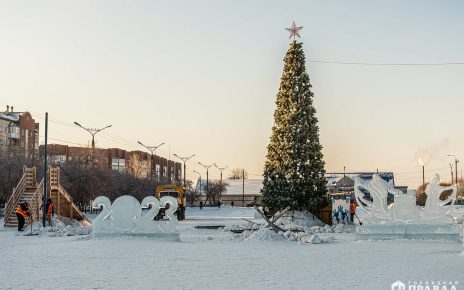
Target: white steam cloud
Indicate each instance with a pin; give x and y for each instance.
(424, 155)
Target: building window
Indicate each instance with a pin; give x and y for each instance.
(165, 171)
(59, 159)
(144, 169)
(118, 164)
(13, 132)
(157, 171)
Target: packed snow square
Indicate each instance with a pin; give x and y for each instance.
(306, 256)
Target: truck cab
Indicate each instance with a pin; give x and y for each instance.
(178, 193)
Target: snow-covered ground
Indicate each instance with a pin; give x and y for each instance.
(219, 259)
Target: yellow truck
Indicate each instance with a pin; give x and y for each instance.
(178, 193)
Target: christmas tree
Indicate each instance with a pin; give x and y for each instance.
(294, 169)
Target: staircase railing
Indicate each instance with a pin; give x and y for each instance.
(15, 197)
(68, 197)
(36, 201)
(30, 177)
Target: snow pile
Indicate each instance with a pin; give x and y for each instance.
(298, 220)
(266, 234)
(246, 227)
(302, 227)
(339, 228)
(458, 214)
(459, 220)
(315, 239)
(61, 228)
(262, 235)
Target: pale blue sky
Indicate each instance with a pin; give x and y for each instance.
(202, 76)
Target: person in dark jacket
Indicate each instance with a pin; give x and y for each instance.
(50, 211)
(21, 213)
(352, 210)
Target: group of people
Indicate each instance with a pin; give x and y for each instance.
(22, 212)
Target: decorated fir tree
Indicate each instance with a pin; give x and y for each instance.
(294, 169)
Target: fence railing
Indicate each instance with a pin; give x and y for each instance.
(15, 196)
(36, 201)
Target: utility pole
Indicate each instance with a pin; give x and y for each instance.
(207, 167)
(199, 174)
(184, 159)
(152, 149)
(423, 177)
(243, 187)
(221, 169)
(44, 204)
(456, 166)
(456, 170)
(451, 169)
(92, 132)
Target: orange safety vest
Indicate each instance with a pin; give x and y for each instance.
(21, 212)
(49, 209)
(353, 207)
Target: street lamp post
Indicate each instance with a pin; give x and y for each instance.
(193, 199)
(93, 132)
(456, 167)
(207, 167)
(184, 159)
(199, 174)
(451, 170)
(152, 149)
(221, 169)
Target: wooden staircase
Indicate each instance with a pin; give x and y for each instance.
(24, 192)
(28, 191)
(64, 205)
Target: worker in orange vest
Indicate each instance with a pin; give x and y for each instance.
(352, 210)
(50, 211)
(21, 213)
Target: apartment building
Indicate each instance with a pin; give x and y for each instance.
(133, 162)
(19, 133)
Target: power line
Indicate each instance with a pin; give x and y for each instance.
(42, 136)
(387, 64)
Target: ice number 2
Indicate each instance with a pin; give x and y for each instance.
(155, 207)
(164, 201)
(105, 204)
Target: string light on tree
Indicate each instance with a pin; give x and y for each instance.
(294, 169)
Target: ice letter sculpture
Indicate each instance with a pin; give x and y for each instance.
(403, 219)
(125, 218)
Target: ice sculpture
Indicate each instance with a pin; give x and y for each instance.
(436, 210)
(340, 211)
(101, 223)
(125, 218)
(376, 204)
(403, 218)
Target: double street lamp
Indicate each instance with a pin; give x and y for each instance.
(92, 132)
(221, 169)
(184, 159)
(199, 175)
(152, 149)
(207, 167)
